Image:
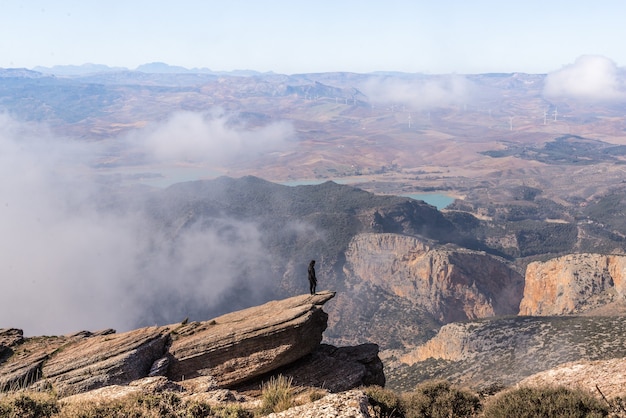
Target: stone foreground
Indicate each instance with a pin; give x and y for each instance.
(229, 350)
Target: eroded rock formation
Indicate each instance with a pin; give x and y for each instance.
(224, 351)
(573, 283)
(451, 283)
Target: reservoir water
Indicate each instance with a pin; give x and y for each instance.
(438, 200)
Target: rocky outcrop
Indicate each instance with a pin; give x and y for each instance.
(22, 358)
(225, 351)
(506, 350)
(573, 283)
(452, 284)
(453, 342)
(245, 344)
(105, 360)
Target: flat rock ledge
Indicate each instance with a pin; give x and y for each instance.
(223, 352)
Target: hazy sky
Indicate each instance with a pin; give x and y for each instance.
(293, 36)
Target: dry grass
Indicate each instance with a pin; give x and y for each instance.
(277, 395)
(167, 404)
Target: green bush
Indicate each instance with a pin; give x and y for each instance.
(277, 395)
(385, 403)
(553, 402)
(440, 400)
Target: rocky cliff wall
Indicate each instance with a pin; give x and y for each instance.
(573, 283)
(451, 283)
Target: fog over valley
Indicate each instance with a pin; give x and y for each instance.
(74, 259)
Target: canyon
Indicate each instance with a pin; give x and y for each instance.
(521, 273)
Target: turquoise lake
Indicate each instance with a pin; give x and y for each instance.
(438, 200)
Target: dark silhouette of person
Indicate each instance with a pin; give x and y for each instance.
(312, 278)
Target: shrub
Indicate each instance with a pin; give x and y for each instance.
(385, 403)
(32, 405)
(277, 395)
(546, 402)
(439, 400)
(160, 405)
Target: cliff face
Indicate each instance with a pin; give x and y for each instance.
(452, 284)
(573, 283)
(226, 351)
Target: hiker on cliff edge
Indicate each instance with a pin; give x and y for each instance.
(312, 278)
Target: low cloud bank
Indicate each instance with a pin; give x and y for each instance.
(590, 78)
(210, 138)
(419, 93)
(71, 263)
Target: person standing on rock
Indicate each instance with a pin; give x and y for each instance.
(312, 278)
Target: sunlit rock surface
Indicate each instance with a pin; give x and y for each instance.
(573, 283)
(225, 351)
(452, 284)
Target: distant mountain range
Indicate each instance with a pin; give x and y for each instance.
(151, 68)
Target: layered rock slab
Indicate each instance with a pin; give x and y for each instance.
(225, 351)
(245, 344)
(105, 360)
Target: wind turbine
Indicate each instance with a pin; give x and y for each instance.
(511, 123)
(555, 113)
(409, 121)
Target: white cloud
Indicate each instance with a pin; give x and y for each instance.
(591, 78)
(210, 138)
(70, 263)
(419, 93)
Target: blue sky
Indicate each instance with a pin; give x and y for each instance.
(444, 36)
